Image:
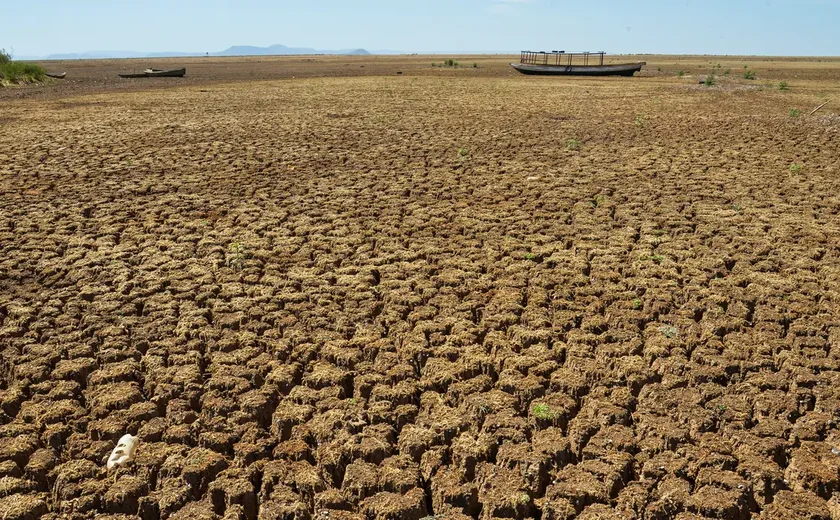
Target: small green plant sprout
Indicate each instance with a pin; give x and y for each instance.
(794, 113)
(669, 331)
(783, 86)
(750, 74)
(237, 254)
(637, 304)
(639, 121)
(531, 256)
(657, 258)
(463, 152)
(572, 144)
(524, 498)
(796, 169)
(543, 412)
(710, 80)
(597, 200)
(680, 73)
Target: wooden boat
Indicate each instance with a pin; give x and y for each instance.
(156, 73)
(561, 63)
(56, 75)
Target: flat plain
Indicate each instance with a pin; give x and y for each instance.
(370, 288)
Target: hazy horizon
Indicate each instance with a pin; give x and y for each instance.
(713, 27)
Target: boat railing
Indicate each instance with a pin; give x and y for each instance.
(562, 58)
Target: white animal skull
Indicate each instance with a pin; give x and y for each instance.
(123, 452)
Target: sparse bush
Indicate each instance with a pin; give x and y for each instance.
(710, 80)
(475, 65)
(463, 152)
(680, 73)
(572, 144)
(794, 112)
(796, 169)
(783, 86)
(750, 74)
(5, 57)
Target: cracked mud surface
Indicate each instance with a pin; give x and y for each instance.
(410, 296)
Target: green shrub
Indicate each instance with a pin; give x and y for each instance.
(710, 80)
(20, 72)
(5, 57)
(794, 112)
(784, 86)
(750, 74)
(680, 73)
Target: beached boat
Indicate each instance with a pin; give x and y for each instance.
(155, 73)
(561, 63)
(56, 75)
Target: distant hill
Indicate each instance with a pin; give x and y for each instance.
(281, 50)
(237, 50)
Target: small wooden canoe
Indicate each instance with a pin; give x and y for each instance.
(620, 69)
(155, 73)
(56, 75)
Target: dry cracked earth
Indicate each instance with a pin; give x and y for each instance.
(438, 295)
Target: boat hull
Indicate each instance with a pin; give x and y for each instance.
(177, 73)
(622, 69)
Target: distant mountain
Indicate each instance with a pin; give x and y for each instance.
(281, 50)
(238, 50)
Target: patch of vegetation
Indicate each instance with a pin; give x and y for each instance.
(669, 331)
(794, 113)
(783, 86)
(19, 72)
(680, 73)
(451, 64)
(750, 74)
(597, 200)
(543, 412)
(572, 144)
(475, 65)
(710, 80)
(237, 254)
(531, 256)
(796, 168)
(640, 121)
(463, 152)
(657, 259)
(637, 304)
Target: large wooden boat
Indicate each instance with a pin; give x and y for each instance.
(561, 63)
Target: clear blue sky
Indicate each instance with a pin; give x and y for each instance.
(771, 27)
